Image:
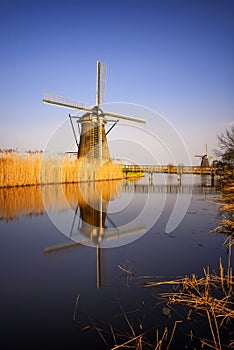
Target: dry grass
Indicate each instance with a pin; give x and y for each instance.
(226, 208)
(137, 342)
(134, 337)
(18, 170)
(34, 168)
(211, 296)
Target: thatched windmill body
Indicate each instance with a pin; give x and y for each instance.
(93, 142)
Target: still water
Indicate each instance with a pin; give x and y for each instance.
(56, 292)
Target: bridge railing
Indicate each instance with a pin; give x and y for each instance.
(176, 169)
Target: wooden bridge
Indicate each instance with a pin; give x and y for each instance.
(178, 169)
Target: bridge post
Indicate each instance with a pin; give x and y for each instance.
(212, 175)
(179, 173)
(150, 178)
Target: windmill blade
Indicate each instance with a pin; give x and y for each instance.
(117, 233)
(197, 155)
(120, 116)
(52, 249)
(111, 120)
(65, 102)
(101, 83)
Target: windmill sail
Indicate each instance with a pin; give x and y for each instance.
(101, 83)
(125, 117)
(65, 102)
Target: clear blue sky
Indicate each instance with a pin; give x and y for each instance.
(174, 56)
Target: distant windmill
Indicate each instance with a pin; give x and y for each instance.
(204, 159)
(93, 142)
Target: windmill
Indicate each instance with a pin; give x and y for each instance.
(91, 125)
(205, 163)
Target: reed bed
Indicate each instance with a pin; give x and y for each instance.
(19, 170)
(35, 168)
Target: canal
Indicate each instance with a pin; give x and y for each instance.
(74, 260)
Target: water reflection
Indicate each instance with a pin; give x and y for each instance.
(90, 200)
(105, 213)
(90, 204)
(18, 201)
(34, 200)
(91, 221)
(98, 213)
(81, 210)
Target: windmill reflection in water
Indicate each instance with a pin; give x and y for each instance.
(91, 224)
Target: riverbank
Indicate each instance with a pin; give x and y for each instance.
(226, 209)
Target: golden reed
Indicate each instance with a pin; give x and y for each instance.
(37, 169)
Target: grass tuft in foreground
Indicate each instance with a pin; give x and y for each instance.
(210, 295)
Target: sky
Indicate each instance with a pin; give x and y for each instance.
(172, 56)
